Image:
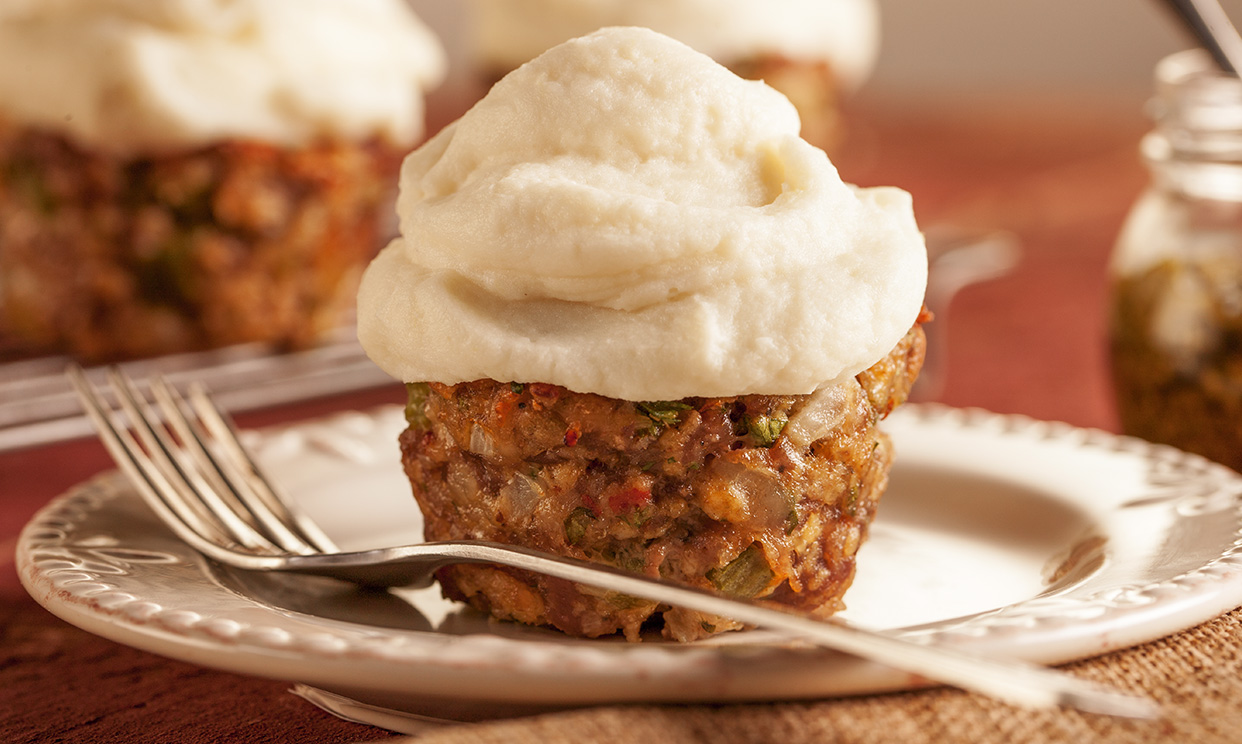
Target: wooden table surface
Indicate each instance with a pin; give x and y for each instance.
(1058, 175)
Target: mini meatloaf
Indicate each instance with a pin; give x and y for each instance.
(757, 496)
(811, 86)
(108, 257)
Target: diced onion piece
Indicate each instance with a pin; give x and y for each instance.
(481, 443)
(462, 482)
(749, 494)
(519, 496)
(822, 413)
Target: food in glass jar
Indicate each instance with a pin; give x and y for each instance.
(1177, 355)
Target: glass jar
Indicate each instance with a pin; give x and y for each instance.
(1176, 272)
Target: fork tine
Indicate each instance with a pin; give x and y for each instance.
(236, 497)
(214, 487)
(152, 485)
(266, 494)
(186, 484)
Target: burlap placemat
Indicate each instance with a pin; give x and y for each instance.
(1196, 676)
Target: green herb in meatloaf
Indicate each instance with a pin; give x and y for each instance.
(765, 428)
(576, 524)
(415, 402)
(745, 576)
(662, 413)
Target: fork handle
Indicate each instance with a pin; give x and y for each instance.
(1014, 681)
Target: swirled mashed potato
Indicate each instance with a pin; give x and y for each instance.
(141, 76)
(623, 216)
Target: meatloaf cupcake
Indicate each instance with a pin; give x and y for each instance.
(643, 323)
(180, 175)
(813, 51)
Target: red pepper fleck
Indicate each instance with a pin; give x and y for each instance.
(572, 434)
(505, 404)
(542, 394)
(628, 499)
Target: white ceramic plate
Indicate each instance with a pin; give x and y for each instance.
(998, 533)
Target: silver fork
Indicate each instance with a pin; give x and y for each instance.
(189, 466)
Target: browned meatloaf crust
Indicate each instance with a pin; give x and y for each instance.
(758, 495)
(109, 257)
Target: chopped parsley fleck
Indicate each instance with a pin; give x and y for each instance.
(744, 576)
(791, 521)
(624, 601)
(663, 412)
(576, 525)
(638, 517)
(766, 428)
(416, 404)
(851, 502)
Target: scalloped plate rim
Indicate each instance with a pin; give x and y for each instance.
(412, 669)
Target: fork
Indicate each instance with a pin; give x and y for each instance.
(186, 461)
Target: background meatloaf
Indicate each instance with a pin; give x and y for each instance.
(112, 257)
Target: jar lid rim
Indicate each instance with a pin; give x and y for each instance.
(1195, 67)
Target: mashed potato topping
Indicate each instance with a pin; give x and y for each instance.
(844, 32)
(127, 75)
(623, 216)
